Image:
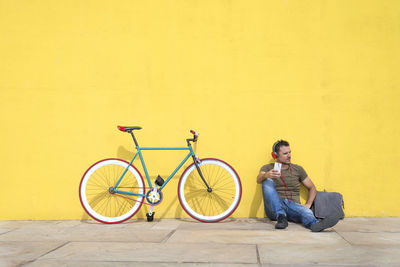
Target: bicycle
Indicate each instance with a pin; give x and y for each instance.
(113, 190)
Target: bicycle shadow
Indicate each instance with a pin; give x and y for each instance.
(256, 202)
(125, 154)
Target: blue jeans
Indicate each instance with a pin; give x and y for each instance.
(274, 206)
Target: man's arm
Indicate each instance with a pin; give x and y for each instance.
(269, 174)
(312, 191)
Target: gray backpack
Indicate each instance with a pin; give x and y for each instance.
(328, 203)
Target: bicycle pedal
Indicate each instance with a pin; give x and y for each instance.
(150, 218)
(159, 181)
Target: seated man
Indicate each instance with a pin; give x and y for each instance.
(281, 192)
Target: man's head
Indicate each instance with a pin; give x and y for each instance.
(281, 151)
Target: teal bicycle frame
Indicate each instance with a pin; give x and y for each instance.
(139, 152)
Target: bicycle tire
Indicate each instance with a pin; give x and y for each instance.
(212, 206)
(104, 206)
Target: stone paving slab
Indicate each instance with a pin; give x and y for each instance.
(155, 252)
(170, 224)
(85, 234)
(51, 263)
(387, 224)
(17, 253)
(167, 242)
(237, 224)
(131, 224)
(326, 254)
(376, 239)
(6, 230)
(324, 265)
(38, 224)
(256, 237)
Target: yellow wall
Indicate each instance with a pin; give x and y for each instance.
(322, 74)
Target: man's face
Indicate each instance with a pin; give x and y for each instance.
(284, 154)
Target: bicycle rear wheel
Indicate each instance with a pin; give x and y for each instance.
(99, 202)
(225, 195)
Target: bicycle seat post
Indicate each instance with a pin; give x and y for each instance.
(134, 139)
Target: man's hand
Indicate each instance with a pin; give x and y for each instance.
(272, 174)
(308, 206)
(312, 191)
(269, 174)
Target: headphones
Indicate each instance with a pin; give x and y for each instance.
(274, 153)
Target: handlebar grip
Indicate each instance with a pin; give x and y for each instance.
(193, 132)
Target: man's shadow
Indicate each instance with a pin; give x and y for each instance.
(257, 204)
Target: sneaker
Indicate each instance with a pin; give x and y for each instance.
(325, 223)
(282, 222)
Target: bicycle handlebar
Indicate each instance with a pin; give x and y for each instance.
(194, 132)
(195, 135)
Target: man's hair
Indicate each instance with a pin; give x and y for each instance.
(277, 145)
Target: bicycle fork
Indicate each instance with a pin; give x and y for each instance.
(196, 163)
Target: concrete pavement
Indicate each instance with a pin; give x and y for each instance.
(168, 242)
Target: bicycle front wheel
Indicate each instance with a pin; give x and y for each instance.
(216, 203)
(98, 200)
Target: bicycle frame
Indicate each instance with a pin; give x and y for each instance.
(139, 152)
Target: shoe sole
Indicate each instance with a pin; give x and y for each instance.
(282, 227)
(324, 224)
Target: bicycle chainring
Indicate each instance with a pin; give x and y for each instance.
(154, 198)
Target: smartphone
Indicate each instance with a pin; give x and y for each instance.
(278, 166)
